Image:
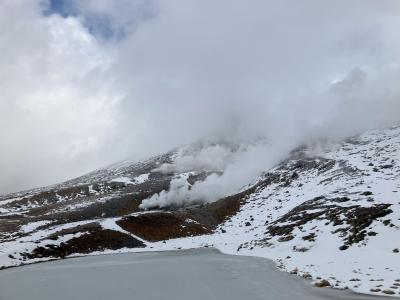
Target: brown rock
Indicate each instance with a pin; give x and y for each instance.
(294, 271)
(322, 283)
(286, 238)
(388, 292)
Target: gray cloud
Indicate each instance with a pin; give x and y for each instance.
(221, 70)
(235, 69)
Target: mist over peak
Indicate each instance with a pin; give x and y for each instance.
(75, 99)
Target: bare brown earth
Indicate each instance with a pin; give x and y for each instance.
(162, 226)
(193, 221)
(152, 227)
(93, 238)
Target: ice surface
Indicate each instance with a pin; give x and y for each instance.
(196, 275)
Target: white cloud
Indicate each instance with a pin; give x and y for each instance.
(219, 70)
(57, 104)
(234, 69)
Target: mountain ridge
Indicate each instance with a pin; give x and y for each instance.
(329, 213)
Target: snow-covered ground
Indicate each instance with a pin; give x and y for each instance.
(136, 180)
(331, 213)
(368, 174)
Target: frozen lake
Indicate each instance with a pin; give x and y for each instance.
(190, 275)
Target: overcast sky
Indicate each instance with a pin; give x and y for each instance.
(84, 83)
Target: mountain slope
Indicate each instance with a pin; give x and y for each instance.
(329, 213)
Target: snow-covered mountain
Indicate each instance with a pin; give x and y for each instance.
(329, 212)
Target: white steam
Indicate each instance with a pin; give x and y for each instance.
(212, 157)
(178, 194)
(238, 168)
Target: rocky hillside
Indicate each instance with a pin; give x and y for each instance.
(330, 213)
